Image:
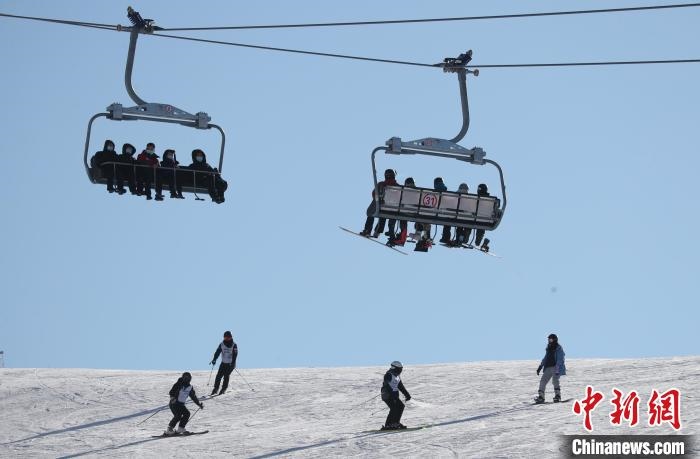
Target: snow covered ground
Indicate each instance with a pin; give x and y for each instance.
(475, 410)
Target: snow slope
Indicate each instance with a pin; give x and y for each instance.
(475, 409)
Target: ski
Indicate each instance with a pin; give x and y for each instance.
(472, 247)
(373, 240)
(186, 434)
(553, 403)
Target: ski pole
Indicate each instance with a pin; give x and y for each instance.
(212, 370)
(193, 414)
(362, 403)
(157, 411)
(379, 410)
(239, 374)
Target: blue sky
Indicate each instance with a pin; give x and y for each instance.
(601, 164)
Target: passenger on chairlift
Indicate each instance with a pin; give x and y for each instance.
(212, 181)
(482, 190)
(439, 185)
(125, 171)
(461, 234)
(389, 180)
(400, 239)
(145, 175)
(167, 175)
(106, 155)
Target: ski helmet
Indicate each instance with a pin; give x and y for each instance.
(409, 182)
(553, 336)
(186, 377)
(227, 334)
(389, 173)
(463, 188)
(482, 188)
(396, 364)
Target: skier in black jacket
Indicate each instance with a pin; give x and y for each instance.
(106, 155)
(229, 353)
(125, 171)
(212, 180)
(179, 393)
(167, 174)
(390, 395)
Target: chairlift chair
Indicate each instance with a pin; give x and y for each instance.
(424, 205)
(192, 181)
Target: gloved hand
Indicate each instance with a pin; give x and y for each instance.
(408, 397)
(539, 369)
(201, 405)
(213, 362)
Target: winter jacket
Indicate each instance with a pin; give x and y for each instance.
(203, 166)
(233, 345)
(560, 367)
(389, 392)
(126, 158)
(175, 392)
(172, 163)
(104, 155)
(145, 158)
(439, 185)
(383, 184)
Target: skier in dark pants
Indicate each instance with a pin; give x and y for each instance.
(106, 155)
(553, 365)
(439, 185)
(229, 352)
(389, 180)
(482, 190)
(390, 395)
(181, 390)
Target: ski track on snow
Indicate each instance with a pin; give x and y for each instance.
(471, 410)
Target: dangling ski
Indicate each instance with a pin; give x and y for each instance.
(373, 240)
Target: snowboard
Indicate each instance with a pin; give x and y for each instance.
(373, 240)
(186, 434)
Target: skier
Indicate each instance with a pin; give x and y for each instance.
(229, 352)
(208, 176)
(461, 234)
(400, 238)
(439, 185)
(106, 155)
(389, 180)
(390, 395)
(179, 393)
(553, 365)
(482, 190)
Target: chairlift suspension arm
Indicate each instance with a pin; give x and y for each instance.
(134, 35)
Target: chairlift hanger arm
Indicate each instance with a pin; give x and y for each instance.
(458, 65)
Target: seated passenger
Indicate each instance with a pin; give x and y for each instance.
(125, 171)
(106, 155)
(400, 239)
(439, 185)
(147, 162)
(461, 234)
(211, 179)
(482, 190)
(389, 180)
(167, 174)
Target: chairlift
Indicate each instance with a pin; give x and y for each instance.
(424, 205)
(191, 181)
